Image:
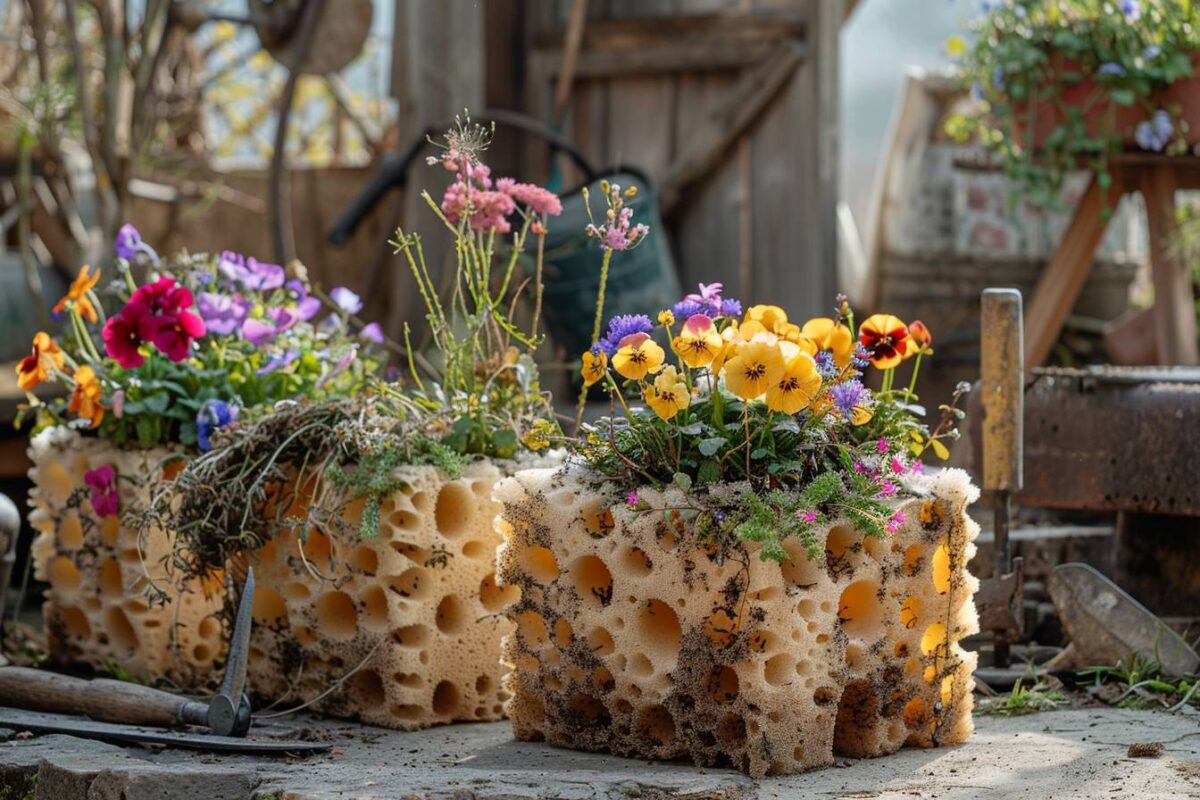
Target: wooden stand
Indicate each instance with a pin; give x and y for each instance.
(1157, 178)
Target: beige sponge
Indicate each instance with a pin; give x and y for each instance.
(414, 613)
(634, 638)
(96, 610)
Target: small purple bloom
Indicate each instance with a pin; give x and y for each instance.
(809, 516)
(1111, 69)
(222, 314)
(346, 300)
(731, 308)
(283, 318)
(307, 306)
(372, 332)
(686, 308)
(128, 241)
(881, 445)
(102, 487)
(631, 499)
(1132, 9)
(257, 331)
(847, 395)
(622, 326)
(278, 361)
(1152, 52)
(887, 489)
(1155, 133)
(213, 414)
(252, 274)
(827, 367)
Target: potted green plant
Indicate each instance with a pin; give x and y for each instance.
(202, 341)
(744, 564)
(1068, 85)
(370, 519)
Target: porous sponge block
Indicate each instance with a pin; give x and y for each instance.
(96, 611)
(417, 607)
(634, 638)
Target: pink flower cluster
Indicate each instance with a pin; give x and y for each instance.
(620, 233)
(102, 487)
(157, 313)
(488, 203)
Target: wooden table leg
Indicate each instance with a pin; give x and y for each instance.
(1062, 280)
(1174, 304)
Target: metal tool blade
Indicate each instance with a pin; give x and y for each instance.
(38, 722)
(225, 715)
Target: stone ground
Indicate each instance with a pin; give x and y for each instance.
(1078, 753)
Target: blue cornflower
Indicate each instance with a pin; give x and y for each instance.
(731, 307)
(847, 395)
(1155, 133)
(686, 308)
(213, 414)
(826, 366)
(861, 358)
(1111, 69)
(622, 326)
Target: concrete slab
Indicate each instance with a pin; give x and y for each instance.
(1079, 753)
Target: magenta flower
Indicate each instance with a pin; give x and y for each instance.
(897, 466)
(887, 489)
(123, 338)
(631, 499)
(881, 445)
(535, 198)
(809, 516)
(102, 488)
(257, 332)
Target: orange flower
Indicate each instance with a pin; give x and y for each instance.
(797, 387)
(595, 364)
(827, 334)
(85, 400)
(77, 295)
(755, 366)
(919, 338)
(36, 367)
(886, 339)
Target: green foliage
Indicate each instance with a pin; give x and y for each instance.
(1083, 61)
(1025, 698)
(1145, 684)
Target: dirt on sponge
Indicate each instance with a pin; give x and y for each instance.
(632, 637)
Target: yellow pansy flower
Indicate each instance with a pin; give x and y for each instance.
(669, 394)
(699, 342)
(827, 334)
(767, 316)
(637, 356)
(754, 366)
(796, 387)
(595, 364)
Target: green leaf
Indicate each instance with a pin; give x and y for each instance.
(709, 447)
(158, 403)
(709, 472)
(505, 442)
(695, 429)
(682, 480)
(1122, 97)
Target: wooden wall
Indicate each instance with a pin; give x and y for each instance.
(730, 105)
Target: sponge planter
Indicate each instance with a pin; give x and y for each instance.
(412, 616)
(632, 637)
(96, 609)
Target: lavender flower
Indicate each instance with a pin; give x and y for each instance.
(826, 365)
(622, 326)
(731, 308)
(307, 307)
(222, 314)
(1132, 9)
(213, 414)
(1155, 133)
(847, 395)
(258, 332)
(346, 300)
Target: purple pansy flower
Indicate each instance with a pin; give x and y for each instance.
(251, 273)
(257, 331)
(307, 306)
(346, 300)
(213, 414)
(222, 314)
(372, 332)
(129, 243)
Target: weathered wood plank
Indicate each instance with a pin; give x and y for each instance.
(640, 111)
(1174, 303)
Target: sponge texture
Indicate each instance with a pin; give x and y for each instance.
(634, 638)
(96, 611)
(412, 616)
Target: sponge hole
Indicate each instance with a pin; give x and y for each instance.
(779, 670)
(722, 684)
(336, 615)
(592, 580)
(413, 583)
(659, 628)
(601, 642)
(446, 697)
(532, 629)
(539, 563)
(451, 616)
(657, 723)
(860, 609)
(494, 597)
(636, 562)
(453, 511)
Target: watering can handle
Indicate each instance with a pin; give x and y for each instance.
(393, 169)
